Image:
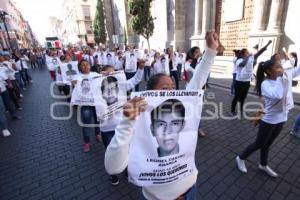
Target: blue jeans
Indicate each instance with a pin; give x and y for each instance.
(2, 118)
(19, 79)
(89, 117)
(7, 103)
(297, 125)
(39, 62)
(232, 92)
(191, 195)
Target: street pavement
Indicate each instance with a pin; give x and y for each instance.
(43, 158)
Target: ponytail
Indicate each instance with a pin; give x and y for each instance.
(260, 77)
(260, 74)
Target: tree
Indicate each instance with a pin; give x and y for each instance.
(99, 24)
(141, 21)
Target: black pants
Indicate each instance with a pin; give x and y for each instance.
(241, 91)
(106, 137)
(266, 135)
(174, 74)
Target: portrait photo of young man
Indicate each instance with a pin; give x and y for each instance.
(167, 121)
(70, 71)
(85, 86)
(109, 89)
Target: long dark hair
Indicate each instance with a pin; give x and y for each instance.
(190, 56)
(260, 74)
(154, 80)
(294, 54)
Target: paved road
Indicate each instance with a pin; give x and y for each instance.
(43, 158)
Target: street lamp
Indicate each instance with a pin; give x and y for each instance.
(3, 16)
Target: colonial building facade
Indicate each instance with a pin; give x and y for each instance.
(240, 23)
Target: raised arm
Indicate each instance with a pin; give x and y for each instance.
(262, 50)
(116, 155)
(203, 68)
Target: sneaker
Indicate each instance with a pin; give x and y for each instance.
(20, 108)
(6, 133)
(98, 138)
(268, 170)
(241, 164)
(24, 88)
(114, 180)
(21, 95)
(296, 134)
(233, 114)
(31, 81)
(86, 147)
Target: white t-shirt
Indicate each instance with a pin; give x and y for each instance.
(3, 78)
(278, 97)
(244, 74)
(10, 70)
(119, 64)
(148, 58)
(234, 65)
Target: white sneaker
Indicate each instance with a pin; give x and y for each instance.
(6, 133)
(241, 164)
(268, 170)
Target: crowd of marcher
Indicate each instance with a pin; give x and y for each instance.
(15, 79)
(75, 70)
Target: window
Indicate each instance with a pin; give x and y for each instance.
(89, 28)
(86, 12)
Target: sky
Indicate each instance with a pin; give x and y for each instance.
(37, 13)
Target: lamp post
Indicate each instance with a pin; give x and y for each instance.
(3, 16)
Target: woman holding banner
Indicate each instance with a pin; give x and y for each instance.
(82, 97)
(116, 156)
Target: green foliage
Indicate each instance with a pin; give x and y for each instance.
(99, 24)
(141, 21)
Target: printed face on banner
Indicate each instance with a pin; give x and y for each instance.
(110, 59)
(54, 61)
(131, 62)
(109, 94)
(167, 121)
(162, 150)
(69, 71)
(109, 89)
(82, 93)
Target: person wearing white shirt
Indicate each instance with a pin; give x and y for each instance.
(147, 69)
(235, 58)
(87, 112)
(192, 59)
(180, 63)
(108, 130)
(119, 61)
(244, 72)
(117, 153)
(172, 65)
(274, 84)
(13, 90)
(5, 82)
(52, 62)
